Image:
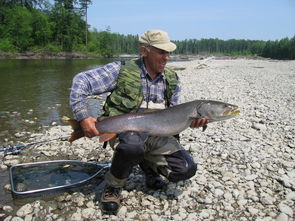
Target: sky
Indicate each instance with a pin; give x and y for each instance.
(197, 19)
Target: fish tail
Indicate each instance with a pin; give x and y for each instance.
(78, 132)
(74, 123)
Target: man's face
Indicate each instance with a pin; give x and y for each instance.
(155, 59)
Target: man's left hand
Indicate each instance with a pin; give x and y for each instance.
(199, 122)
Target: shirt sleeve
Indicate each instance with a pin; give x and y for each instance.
(92, 82)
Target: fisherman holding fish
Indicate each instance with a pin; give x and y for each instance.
(145, 83)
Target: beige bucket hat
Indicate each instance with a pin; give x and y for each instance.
(158, 39)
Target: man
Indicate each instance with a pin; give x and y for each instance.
(145, 83)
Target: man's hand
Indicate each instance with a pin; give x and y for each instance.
(88, 127)
(199, 122)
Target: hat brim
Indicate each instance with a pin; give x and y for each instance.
(166, 46)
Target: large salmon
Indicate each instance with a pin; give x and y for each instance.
(164, 122)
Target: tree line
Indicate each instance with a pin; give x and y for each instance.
(41, 26)
(279, 49)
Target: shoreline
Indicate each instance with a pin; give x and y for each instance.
(81, 55)
(246, 165)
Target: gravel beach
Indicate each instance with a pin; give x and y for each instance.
(246, 165)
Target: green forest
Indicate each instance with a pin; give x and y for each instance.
(61, 26)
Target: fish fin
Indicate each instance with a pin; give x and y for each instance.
(204, 127)
(106, 137)
(76, 134)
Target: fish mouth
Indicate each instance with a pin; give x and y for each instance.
(231, 111)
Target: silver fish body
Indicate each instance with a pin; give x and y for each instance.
(169, 121)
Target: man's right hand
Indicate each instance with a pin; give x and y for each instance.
(88, 127)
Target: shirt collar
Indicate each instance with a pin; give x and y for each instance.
(144, 73)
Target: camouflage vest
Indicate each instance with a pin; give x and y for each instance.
(127, 96)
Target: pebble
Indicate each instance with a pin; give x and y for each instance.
(88, 213)
(204, 214)
(3, 167)
(122, 212)
(18, 135)
(17, 219)
(8, 209)
(259, 126)
(218, 193)
(253, 211)
(286, 209)
(251, 177)
(77, 216)
(282, 217)
(290, 196)
(25, 210)
(267, 199)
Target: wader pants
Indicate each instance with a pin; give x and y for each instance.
(163, 155)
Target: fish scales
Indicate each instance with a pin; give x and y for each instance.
(162, 123)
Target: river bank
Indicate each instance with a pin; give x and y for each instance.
(246, 165)
(43, 55)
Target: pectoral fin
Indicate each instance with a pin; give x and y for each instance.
(106, 137)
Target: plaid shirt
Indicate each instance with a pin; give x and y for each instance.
(103, 79)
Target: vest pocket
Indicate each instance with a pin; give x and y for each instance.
(129, 104)
(131, 92)
(115, 99)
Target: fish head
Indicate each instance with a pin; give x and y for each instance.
(217, 110)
